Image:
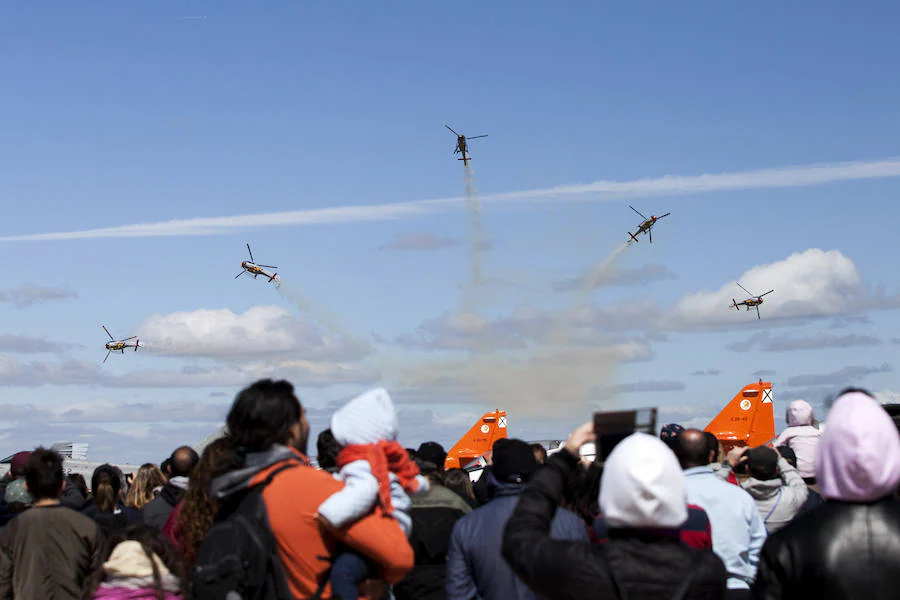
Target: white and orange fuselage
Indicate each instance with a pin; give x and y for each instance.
(256, 270)
(120, 346)
(749, 303)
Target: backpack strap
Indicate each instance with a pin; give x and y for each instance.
(777, 500)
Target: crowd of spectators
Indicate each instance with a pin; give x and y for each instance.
(814, 514)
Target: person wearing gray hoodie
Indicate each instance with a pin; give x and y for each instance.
(776, 487)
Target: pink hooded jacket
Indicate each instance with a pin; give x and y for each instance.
(859, 457)
(801, 437)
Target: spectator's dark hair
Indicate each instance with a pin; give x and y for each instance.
(855, 390)
(105, 486)
(584, 498)
(712, 444)
(262, 415)
(166, 467)
(692, 449)
(788, 454)
(183, 461)
(458, 480)
(413, 453)
(199, 506)
(76, 480)
(540, 453)
(44, 474)
(327, 450)
(153, 544)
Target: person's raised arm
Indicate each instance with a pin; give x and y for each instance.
(542, 563)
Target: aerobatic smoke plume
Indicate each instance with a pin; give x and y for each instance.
(476, 231)
(302, 303)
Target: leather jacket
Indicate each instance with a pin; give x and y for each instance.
(839, 550)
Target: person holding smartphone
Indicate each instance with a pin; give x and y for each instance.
(642, 495)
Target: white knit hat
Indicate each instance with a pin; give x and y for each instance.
(643, 485)
(366, 419)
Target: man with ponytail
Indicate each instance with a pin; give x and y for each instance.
(49, 551)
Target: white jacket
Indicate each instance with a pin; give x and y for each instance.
(801, 437)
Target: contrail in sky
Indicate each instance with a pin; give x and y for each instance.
(598, 191)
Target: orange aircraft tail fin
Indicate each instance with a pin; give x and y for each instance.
(478, 440)
(748, 420)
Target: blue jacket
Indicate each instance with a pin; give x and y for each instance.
(475, 565)
(737, 529)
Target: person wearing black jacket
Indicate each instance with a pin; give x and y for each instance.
(849, 547)
(157, 511)
(642, 497)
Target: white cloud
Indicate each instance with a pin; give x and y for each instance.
(814, 283)
(598, 191)
(28, 295)
(525, 328)
(22, 344)
(706, 373)
(843, 377)
(887, 397)
(301, 373)
(260, 331)
(766, 342)
(642, 386)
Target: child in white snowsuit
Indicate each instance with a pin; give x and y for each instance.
(376, 470)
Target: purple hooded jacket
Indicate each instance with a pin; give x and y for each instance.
(859, 455)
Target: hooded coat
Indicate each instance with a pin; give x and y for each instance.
(475, 567)
(801, 437)
(304, 546)
(850, 546)
(780, 499)
(644, 503)
(366, 420)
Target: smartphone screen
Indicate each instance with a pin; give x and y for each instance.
(614, 426)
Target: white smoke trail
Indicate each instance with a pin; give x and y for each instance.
(598, 191)
(476, 231)
(470, 298)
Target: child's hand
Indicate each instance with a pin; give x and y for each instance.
(323, 521)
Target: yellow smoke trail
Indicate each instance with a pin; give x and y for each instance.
(302, 303)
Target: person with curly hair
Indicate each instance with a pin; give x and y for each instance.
(149, 478)
(138, 563)
(193, 516)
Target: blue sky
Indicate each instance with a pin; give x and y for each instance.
(121, 114)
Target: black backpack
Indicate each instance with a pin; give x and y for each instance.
(238, 558)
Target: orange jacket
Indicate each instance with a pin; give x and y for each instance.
(304, 544)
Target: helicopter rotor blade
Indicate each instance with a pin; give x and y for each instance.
(475, 137)
(769, 292)
(251, 253)
(108, 352)
(268, 266)
(108, 333)
(637, 211)
(757, 312)
(743, 288)
(129, 339)
(239, 274)
(665, 215)
(450, 128)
